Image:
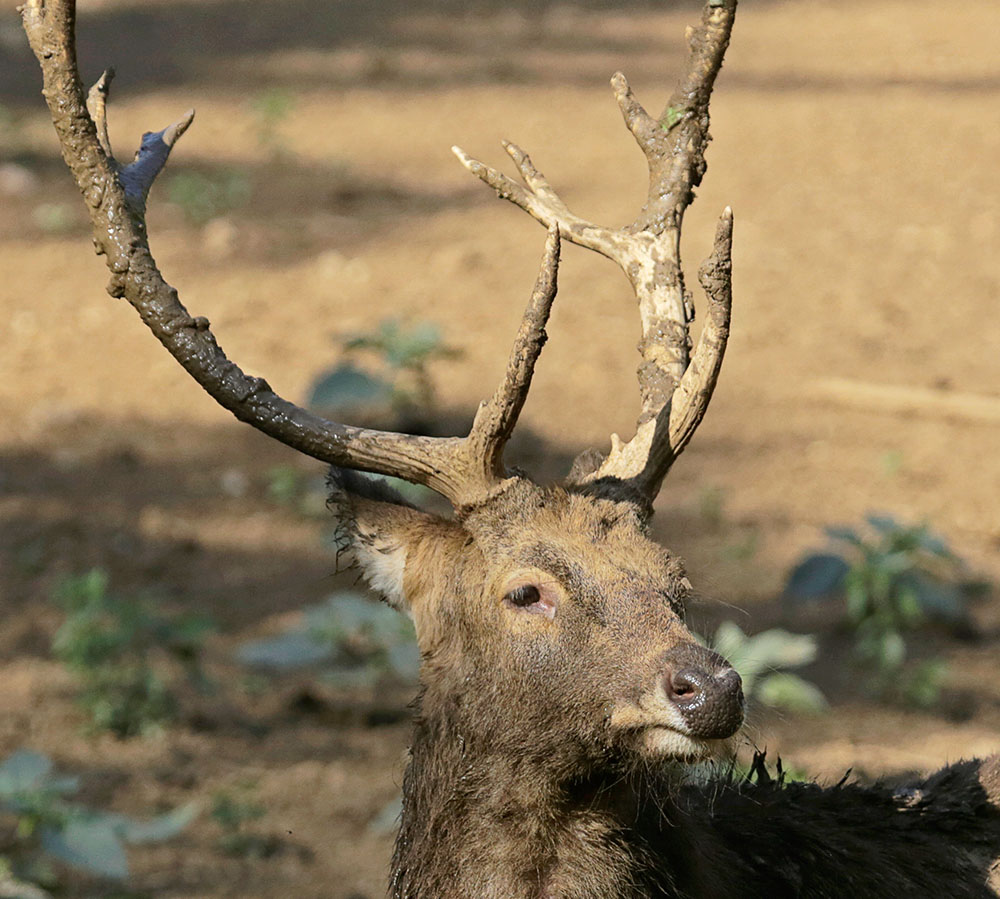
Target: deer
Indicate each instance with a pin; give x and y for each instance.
(563, 702)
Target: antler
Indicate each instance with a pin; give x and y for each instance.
(465, 470)
(675, 386)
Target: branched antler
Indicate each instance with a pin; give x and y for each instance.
(465, 470)
(675, 386)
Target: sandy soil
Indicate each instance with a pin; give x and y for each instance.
(856, 142)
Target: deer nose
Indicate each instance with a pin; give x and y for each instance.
(706, 690)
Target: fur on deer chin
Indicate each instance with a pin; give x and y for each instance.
(665, 742)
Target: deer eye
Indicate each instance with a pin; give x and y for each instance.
(522, 596)
(532, 598)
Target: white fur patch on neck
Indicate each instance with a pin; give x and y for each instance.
(382, 564)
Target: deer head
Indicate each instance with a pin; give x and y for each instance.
(546, 611)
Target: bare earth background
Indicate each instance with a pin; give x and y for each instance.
(857, 143)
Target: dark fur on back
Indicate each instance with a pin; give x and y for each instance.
(939, 837)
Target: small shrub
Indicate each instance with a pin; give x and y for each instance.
(270, 109)
(234, 810)
(356, 641)
(49, 826)
(759, 660)
(113, 644)
(892, 579)
(54, 218)
(304, 493)
(712, 505)
(400, 386)
(202, 198)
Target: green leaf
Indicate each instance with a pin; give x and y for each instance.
(943, 602)
(922, 687)
(895, 563)
(857, 599)
(387, 819)
(89, 590)
(777, 648)
(159, 829)
(884, 524)
(817, 576)
(935, 545)
(292, 649)
(348, 617)
(729, 641)
(908, 606)
(768, 650)
(845, 534)
(404, 660)
(791, 693)
(22, 771)
(348, 388)
(410, 346)
(89, 843)
(892, 650)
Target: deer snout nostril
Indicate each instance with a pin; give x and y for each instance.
(710, 702)
(687, 686)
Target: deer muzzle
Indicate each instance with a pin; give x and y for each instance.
(706, 690)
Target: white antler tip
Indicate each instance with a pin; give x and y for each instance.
(463, 157)
(513, 150)
(173, 133)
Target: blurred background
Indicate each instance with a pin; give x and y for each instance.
(193, 703)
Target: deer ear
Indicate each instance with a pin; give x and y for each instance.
(382, 532)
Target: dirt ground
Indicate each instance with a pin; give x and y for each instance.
(857, 143)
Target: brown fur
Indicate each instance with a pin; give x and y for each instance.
(540, 769)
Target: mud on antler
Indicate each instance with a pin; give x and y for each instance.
(675, 385)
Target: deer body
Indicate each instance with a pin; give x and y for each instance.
(562, 696)
(635, 836)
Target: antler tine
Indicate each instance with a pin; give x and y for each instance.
(116, 198)
(640, 465)
(540, 201)
(674, 386)
(496, 417)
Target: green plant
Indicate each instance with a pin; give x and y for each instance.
(711, 506)
(54, 218)
(47, 825)
(356, 641)
(743, 546)
(891, 462)
(401, 384)
(291, 487)
(119, 648)
(234, 809)
(270, 108)
(759, 660)
(892, 579)
(202, 197)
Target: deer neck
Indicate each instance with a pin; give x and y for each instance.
(481, 821)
